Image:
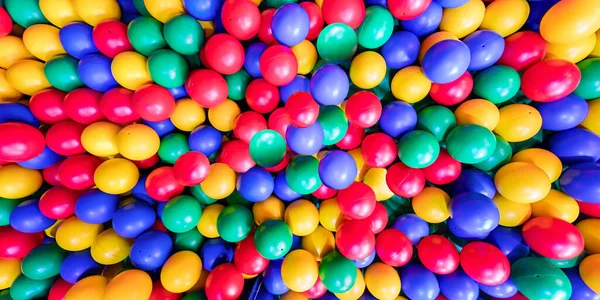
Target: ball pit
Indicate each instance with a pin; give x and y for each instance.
(278, 149)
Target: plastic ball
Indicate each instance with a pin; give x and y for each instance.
(110, 37)
(437, 120)
(394, 254)
(181, 214)
(446, 61)
(512, 213)
(458, 285)
(184, 34)
(135, 284)
(536, 81)
(484, 263)
(273, 239)
(92, 207)
(100, 139)
(382, 281)
(522, 50)
(11, 269)
(116, 176)
(24, 287)
(181, 271)
(16, 244)
(354, 240)
(247, 259)
(470, 143)
(337, 170)
(301, 109)
(410, 84)
(463, 18)
(137, 142)
(351, 13)
(83, 106)
(42, 41)
(564, 113)
(76, 235)
(462, 209)
(337, 272)
(367, 70)
(478, 111)
(18, 182)
(61, 72)
(224, 282)
(22, 142)
(398, 118)
(93, 13)
(587, 87)
(299, 261)
(431, 205)
(27, 217)
(262, 96)
(550, 280)
(7, 92)
(337, 42)
(25, 14)
(377, 28)
(13, 50)
(130, 71)
(241, 19)
(150, 250)
(146, 35)
(497, 84)
(418, 149)
(27, 76)
(557, 26)
(208, 222)
(224, 53)
(77, 172)
(206, 87)
(167, 68)
(109, 248)
(558, 205)
(553, 238)
(522, 182)
(278, 65)
(252, 61)
(418, 282)
(153, 103)
(290, 24)
(76, 38)
(588, 272)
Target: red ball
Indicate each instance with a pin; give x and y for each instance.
(58, 202)
(590, 209)
(378, 219)
(224, 53)
(247, 124)
(262, 96)
(444, 170)
(265, 33)
(550, 80)
(206, 87)
(324, 192)
(454, 92)
(354, 136)
(47, 106)
(350, 12)
(278, 65)
(317, 290)
(160, 293)
(553, 238)
(393, 248)
(354, 240)
(64, 138)
(116, 106)
(224, 282)
(6, 25)
(363, 109)
(50, 174)
(407, 9)
(484, 263)
(110, 37)
(83, 106)
(20, 142)
(147, 163)
(405, 181)
(379, 150)
(357, 201)
(301, 109)
(278, 121)
(59, 289)
(153, 102)
(247, 259)
(16, 244)
(236, 154)
(161, 184)
(191, 168)
(438, 254)
(316, 19)
(77, 172)
(522, 50)
(281, 165)
(241, 18)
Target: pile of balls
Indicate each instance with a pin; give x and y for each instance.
(285, 149)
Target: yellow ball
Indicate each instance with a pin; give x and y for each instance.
(12, 50)
(270, 209)
(518, 122)
(42, 41)
(505, 16)
(543, 159)
(478, 111)
(375, 178)
(410, 84)
(116, 176)
(181, 271)
(91, 287)
(367, 70)
(463, 20)
(330, 215)
(591, 235)
(188, 115)
(360, 163)
(130, 71)
(512, 214)
(208, 221)
(356, 291)
(59, 12)
(589, 269)
(596, 50)
(18, 182)
(222, 117)
(220, 182)
(138, 142)
(432, 205)
(7, 92)
(383, 281)
(570, 20)
(299, 270)
(573, 52)
(302, 216)
(522, 182)
(306, 55)
(109, 248)
(164, 10)
(27, 76)
(319, 243)
(76, 235)
(433, 39)
(10, 269)
(93, 12)
(100, 139)
(131, 285)
(557, 205)
(592, 121)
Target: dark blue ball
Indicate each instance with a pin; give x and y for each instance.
(151, 250)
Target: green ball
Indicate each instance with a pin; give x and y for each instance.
(184, 34)
(418, 149)
(337, 273)
(334, 122)
(537, 278)
(267, 148)
(337, 42)
(6, 207)
(501, 156)
(167, 68)
(470, 144)
(43, 262)
(278, 3)
(497, 83)
(172, 146)
(302, 174)
(190, 240)
(376, 29)
(181, 214)
(27, 288)
(25, 12)
(141, 7)
(237, 84)
(235, 223)
(589, 86)
(438, 120)
(146, 35)
(61, 72)
(566, 263)
(273, 239)
(199, 194)
(197, 295)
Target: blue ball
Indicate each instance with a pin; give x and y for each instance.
(290, 24)
(329, 85)
(412, 226)
(510, 241)
(127, 6)
(162, 128)
(42, 161)
(365, 262)
(27, 217)
(78, 265)
(465, 234)
(376, 2)
(458, 285)
(215, 252)
(451, 3)
(486, 47)
(337, 169)
(255, 185)
(299, 84)
(575, 146)
(139, 191)
(17, 112)
(401, 50)
(563, 114)
(472, 180)
(204, 10)
(282, 190)
(132, 219)
(151, 250)
(427, 22)
(581, 182)
(252, 60)
(446, 61)
(398, 118)
(76, 39)
(418, 282)
(506, 289)
(474, 213)
(94, 71)
(272, 278)
(580, 289)
(96, 206)
(306, 141)
(178, 92)
(205, 139)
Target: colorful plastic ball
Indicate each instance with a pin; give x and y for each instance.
(550, 281)
(564, 113)
(162, 185)
(265, 33)
(13, 50)
(278, 65)
(410, 85)
(484, 263)
(191, 168)
(290, 24)
(453, 92)
(470, 144)
(95, 72)
(458, 285)
(181, 271)
(351, 13)
(133, 219)
(557, 27)
(400, 50)
(42, 41)
(146, 35)
(137, 142)
(153, 103)
(237, 83)
(398, 118)
(497, 19)
(184, 34)
(337, 272)
(273, 239)
(337, 42)
(27, 76)
(241, 19)
(247, 259)
(181, 214)
(11, 269)
(379, 150)
(208, 222)
(334, 122)
(446, 61)
(203, 10)
(580, 289)
(24, 287)
(262, 96)
(109, 248)
(589, 273)
(93, 13)
(418, 149)
(18, 182)
(382, 281)
(61, 72)
(425, 23)
(418, 282)
(273, 280)
(478, 111)
(462, 17)
(167, 68)
(78, 265)
(135, 284)
(497, 84)
(522, 50)
(44, 160)
(302, 174)
(93, 207)
(255, 185)
(76, 235)
(151, 250)
(574, 52)
(315, 17)
(412, 226)
(299, 270)
(252, 61)
(224, 54)
(337, 170)
(306, 55)
(431, 205)
(437, 120)
(224, 282)
(77, 172)
(587, 87)
(407, 9)
(522, 182)
(60, 288)
(21, 142)
(26, 13)
(100, 139)
(550, 80)
(553, 238)
(110, 37)
(329, 85)
(354, 240)
(267, 148)
(28, 218)
(187, 115)
(116, 176)
(7, 92)
(377, 28)
(282, 190)
(474, 213)
(83, 106)
(235, 223)
(486, 48)
(206, 87)
(363, 109)
(130, 71)
(367, 70)
(205, 139)
(579, 149)
(512, 213)
(543, 159)
(396, 253)
(77, 40)
(301, 109)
